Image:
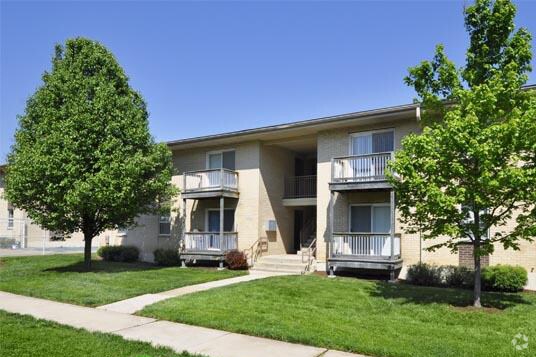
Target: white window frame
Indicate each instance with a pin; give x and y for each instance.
(214, 152)
(369, 132)
(217, 209)
(371, 205)
(10, 218)
(161, 221)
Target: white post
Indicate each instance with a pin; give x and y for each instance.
(222, 217)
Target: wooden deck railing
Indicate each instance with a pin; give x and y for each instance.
(300, 187)
(210, 241)
(213, 179)
(365, 245)
(360, 168)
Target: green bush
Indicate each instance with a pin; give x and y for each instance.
(506, 278)
(425, 274)
(166, 257)
(458, 277)
(119, 253)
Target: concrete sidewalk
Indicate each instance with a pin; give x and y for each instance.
(179, 337)
(132, 305)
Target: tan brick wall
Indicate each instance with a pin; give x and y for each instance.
(276, 164)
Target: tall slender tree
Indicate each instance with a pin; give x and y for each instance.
(473, 168)
(83, 158)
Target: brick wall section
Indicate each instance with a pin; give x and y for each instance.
(466, 259)
(276, 164)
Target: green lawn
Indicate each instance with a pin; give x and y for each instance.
(25, 336)
(373, 318)
(63, 278)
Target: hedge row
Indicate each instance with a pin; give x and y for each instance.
(505, 278)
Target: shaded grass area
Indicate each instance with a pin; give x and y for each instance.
(369, 317)
(25, 336)
(63, 278)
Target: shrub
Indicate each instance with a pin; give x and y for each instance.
(506, 278)
(166, 257)
(119, 253)
(236, 260)
(425, 274)
(458, 277)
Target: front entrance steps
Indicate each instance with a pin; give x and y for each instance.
(286, 263)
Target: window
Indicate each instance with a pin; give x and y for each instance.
(213, 220)
(470, 219)
(221, 159)
(10, 217)
(164, 225)
(372, 142)
(373, 218)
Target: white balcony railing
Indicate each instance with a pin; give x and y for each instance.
(210, 241)
(365, 245)
(360, 168)
(212, 179)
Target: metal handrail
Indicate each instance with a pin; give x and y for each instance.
(205, 170)
(362, 155)
(310, 255)
(255, 253)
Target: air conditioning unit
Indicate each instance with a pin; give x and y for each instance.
(270, 225)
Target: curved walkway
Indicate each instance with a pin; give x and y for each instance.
(135, 304)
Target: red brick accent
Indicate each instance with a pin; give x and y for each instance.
(466, 259)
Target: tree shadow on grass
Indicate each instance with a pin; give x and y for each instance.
(100, 266)
(412, 294)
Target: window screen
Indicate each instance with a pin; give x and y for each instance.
(229, 160)
(360, 219)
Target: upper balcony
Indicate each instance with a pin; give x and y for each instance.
(300, 191)
(360, 172)
(210, 183)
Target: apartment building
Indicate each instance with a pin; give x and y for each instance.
(311, 194)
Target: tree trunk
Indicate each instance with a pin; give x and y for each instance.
(87, 251)
(476, 255)
(478, 283)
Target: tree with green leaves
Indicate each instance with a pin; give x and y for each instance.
(472, 170)
(83, 158)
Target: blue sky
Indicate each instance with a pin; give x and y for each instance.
(209, 67)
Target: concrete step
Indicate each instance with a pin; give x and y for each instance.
(281, 259)
(276, 266)
(281, 263)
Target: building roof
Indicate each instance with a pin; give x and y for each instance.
(301, 128)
